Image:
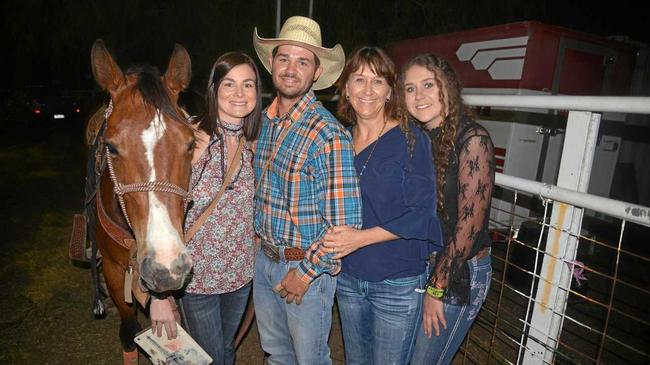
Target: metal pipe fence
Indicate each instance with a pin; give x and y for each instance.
(567, 287)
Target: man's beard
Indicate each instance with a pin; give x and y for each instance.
(294, 94)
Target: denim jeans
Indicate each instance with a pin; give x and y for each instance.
(379, 319)
(442, 349)
(289, 333)
(213, 319)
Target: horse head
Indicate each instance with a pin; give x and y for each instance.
(150, 145)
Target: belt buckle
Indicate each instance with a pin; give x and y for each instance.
(271, 252)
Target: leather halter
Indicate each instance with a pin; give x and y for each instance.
(156, 185)
(115, 231)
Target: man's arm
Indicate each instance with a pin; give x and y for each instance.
(341, 200)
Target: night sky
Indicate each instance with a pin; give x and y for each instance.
(49, 41)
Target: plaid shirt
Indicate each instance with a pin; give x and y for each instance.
(311, 184)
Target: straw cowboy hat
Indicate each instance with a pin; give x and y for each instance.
(303, 32)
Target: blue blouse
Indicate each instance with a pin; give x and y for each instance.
(399, 195)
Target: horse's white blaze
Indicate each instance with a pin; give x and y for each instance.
(161, 236)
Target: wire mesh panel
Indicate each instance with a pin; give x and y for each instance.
(605, 317)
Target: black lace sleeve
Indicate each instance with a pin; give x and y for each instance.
(475, 184)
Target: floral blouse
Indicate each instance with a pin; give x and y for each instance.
(467, 198)
(223, 248)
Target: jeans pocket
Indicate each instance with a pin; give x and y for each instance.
(408, 281)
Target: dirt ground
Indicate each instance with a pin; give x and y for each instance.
(45, 306)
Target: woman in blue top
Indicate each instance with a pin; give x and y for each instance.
(384, 264)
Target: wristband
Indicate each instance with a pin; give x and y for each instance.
(435, 292)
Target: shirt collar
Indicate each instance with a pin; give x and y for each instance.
(295, 112)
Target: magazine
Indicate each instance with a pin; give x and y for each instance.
(182, 350)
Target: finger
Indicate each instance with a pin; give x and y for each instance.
(426, 326)
(298, 299)
(282, 292)
(327, 244)
(290, 298)
(443, 321)
(276, 289)
(332, 237)
(436, 328)
(171, 330)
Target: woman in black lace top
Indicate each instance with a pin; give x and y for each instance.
(464, 157)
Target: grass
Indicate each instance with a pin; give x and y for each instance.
(46, 301)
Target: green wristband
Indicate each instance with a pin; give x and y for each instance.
(435, 292)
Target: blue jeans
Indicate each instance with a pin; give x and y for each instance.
(379, 319)
(290, 333)
(213, 319)
(442, 349)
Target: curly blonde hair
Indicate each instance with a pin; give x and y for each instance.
(453, 109)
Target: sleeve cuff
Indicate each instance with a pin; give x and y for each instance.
(306, 271)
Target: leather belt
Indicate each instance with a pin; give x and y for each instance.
(288, 253)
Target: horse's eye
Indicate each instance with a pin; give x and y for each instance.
(111, 148)
(191, 146)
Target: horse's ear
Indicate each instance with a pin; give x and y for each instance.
(179, 70)
(106, 71)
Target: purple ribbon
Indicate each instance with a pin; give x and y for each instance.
(578, 272)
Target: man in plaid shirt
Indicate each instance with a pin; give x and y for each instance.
(307, 183)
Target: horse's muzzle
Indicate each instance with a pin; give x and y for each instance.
(159, 278)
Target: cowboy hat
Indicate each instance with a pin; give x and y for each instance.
(303, 32)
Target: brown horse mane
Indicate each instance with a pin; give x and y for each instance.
(153, 91)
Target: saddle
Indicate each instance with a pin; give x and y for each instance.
(77, 247)
(95, 124)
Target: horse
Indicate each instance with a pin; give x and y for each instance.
(142, 192)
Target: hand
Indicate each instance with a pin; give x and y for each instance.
(433, 315)
(342, 241)
(292, 287)
(315, 253)
(163, 313)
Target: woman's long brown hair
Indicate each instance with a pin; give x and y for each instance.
(449, 88)
(220, 69)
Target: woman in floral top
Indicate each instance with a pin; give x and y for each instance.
(222, 250)
(464, 157)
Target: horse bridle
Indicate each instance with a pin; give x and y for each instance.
(150, 186)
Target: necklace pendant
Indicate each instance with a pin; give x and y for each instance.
(363, 168)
